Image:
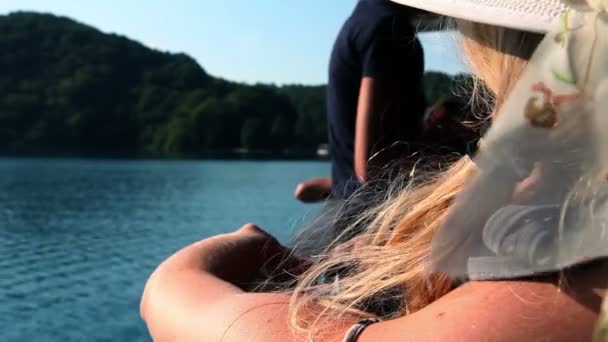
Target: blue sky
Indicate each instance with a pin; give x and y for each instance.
(270, 41)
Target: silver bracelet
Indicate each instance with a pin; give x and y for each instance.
(356, 330)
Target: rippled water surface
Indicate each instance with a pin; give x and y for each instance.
(78, 238)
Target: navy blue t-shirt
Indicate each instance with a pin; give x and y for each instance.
(376, 41)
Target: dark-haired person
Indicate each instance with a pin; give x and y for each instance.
(374, 94)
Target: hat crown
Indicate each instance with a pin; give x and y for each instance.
(527, 15)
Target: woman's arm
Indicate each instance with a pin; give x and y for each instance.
(197, 293)
(378, 99)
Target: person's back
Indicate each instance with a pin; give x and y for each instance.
(377, 41)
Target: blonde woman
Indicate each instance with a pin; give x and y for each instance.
(508, 247)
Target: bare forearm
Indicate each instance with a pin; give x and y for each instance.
(221, 265)
(200, 265)
(361, 156)
(196, 294)
(379, 102)
(364, 128)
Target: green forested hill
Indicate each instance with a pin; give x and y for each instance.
(68, 88)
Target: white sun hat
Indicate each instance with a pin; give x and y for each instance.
(538, 204)
(527, 15)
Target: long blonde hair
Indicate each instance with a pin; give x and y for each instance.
(387, 260)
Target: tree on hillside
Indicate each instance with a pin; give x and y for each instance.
(437, 85)
(311, 125)
(255, 134)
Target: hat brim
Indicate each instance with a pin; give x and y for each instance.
(529, 15)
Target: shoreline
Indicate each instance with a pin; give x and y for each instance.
(219, 156)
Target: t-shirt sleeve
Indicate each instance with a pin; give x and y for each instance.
(391, 51)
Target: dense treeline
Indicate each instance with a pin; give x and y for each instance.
(68, 88)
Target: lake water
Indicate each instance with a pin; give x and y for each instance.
(78, 238)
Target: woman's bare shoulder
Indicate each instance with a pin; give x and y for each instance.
(540, 310)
